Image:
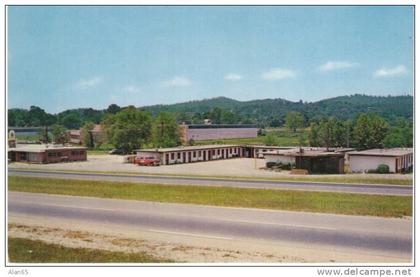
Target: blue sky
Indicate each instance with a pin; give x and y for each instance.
(70, 57)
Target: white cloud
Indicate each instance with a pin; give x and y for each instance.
(336, 65)
(233, 77)
(178, 81)
(278, 74)
(88, 83)
(391, 72)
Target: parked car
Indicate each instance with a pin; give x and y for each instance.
(117, 151)
(145, 161)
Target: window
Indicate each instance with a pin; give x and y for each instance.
(213, 152)
(194, 154)
(199, 153)
(179, 155)
(218, 151)
(230, 151)
(52, 154)
(172, 156)
(22, 156)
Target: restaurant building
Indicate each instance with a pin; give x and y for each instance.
(46, 153)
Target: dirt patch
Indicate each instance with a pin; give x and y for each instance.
(177, 252)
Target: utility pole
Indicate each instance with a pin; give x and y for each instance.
(46, 134)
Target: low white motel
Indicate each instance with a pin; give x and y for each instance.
(397, 159)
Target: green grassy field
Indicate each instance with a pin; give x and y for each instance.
(35, 251)
(283, 138)
(324, 202)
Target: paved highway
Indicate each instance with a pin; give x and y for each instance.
(389, 236)
(350, 188)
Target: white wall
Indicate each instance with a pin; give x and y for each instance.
(279, 159)
(364, 163)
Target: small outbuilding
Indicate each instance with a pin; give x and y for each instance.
(314, 161)
(397, 159)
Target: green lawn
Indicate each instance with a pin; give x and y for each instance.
(324, 202)
(35, 251)
(284, 138)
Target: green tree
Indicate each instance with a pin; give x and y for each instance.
(294, 120)
(165, 131)
(113, 109)
(270, 139)
(59, 133)
(71, 120)
(86, 135)
(314, 135)
(329, 132)
(370, 131)
(129, 129)
(400, 135)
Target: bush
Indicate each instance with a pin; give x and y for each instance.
(287, 166)
(382, 169)
(270, 164)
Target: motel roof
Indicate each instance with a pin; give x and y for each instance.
(390, 152)
(39, 148)
(187, 148)
(305, 154)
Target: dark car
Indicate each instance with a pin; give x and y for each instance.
(117, 151)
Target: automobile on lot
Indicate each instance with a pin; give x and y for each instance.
(117, 151)
(145, 161)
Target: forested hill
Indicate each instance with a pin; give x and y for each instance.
(265, 112)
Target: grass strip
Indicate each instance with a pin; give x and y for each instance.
(35, 251)
(323, 202)
(343, 179)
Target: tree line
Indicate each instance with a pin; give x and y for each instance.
(264, 113)
(368, 130)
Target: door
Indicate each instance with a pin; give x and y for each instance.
(183, 157)
(204, 155)
(189, 157)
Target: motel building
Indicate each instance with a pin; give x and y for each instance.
(190, 154)
(397, 159)
(46, 153)
(201, 153)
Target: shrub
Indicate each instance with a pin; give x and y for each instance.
(382, 169)
(270, 164)
(287, 166)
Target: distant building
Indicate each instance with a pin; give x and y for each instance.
(46, 153)
(209, 131)
(397, 159)
(75, 136)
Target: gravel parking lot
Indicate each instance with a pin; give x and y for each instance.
(239, 167)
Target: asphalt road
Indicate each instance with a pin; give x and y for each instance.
(336, 187)
(389, 236)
